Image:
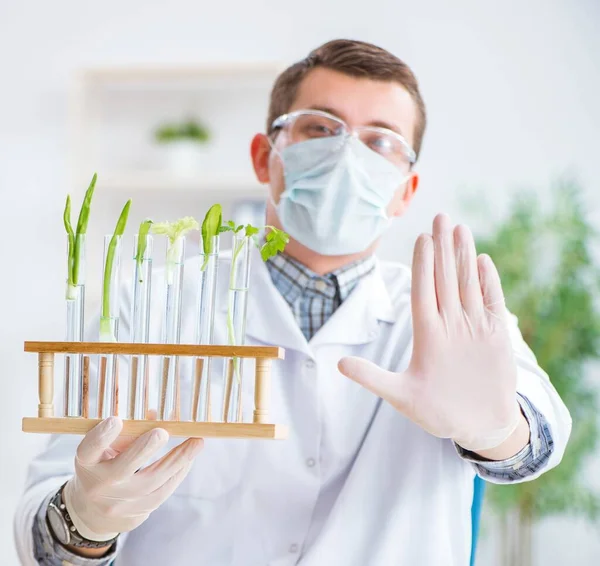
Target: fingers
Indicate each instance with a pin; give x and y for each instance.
(151, 478)
(123, 442)
(467, 270)
(138, 453)
(98, 440)
(393, 387)
(491, 287)
(423, 296)
(446, 282)
(156, 498)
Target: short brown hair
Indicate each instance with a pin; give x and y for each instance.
(354, 58)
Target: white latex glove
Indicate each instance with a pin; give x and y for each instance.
(461, 380)
(106, 496)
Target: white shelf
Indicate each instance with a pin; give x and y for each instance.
(209, 76)
(114, 110)
(233, 186)
(127, 73)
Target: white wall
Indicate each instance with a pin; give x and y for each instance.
(512, 89)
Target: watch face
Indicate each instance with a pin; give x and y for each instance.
(58, 525)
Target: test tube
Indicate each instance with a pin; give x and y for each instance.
(137, 406)
(239, 280)
(108, 378)
(75, 299)
(169, 392)
(205, 317)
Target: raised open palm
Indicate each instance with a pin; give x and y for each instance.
(461, 380)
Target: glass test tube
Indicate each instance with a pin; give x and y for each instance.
(205, 317)
(108, 376)
(239, 280)
(169, 391)
(75, 299)
(137, 406)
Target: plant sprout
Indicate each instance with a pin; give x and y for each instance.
(175, 231)
(210, 228)
(106, 328)
(142, 242)
(275, 239)
(74, 251)
(275, 242)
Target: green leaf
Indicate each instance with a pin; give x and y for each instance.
(84, 213)
(142, 243)
(211, 227)
(176, 229)
(110, 258)
(251, 230)
(67, 217)
(275, 242)
(175, 232)
(231, 227)
(122, 222)
(71, 238)
(82, 224)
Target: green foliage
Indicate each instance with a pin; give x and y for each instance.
(275, 239)
(106, 328)
(550, 281)
(230, 226)
(275, 242)
(211, 226)
(176, 229)
(74, 252)
(175, 232)
(190, 130)
(142, 243)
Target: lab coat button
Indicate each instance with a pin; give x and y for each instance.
(310, 462)
(309, 364)
(294, 548)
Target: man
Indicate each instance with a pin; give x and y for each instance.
(396, 392)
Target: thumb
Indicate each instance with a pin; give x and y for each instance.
(94, 444)
(392, 387)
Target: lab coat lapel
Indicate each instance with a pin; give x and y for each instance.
(357, 319)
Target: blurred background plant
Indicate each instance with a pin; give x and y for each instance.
(183, 146)
(189, 130)
(545, 254)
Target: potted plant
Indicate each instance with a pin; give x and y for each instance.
(551, 283)
(183, 144)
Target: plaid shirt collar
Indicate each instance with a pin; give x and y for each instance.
(295, 281)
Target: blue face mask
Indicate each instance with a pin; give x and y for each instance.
(336, 194)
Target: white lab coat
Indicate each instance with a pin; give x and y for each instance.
(355, 484)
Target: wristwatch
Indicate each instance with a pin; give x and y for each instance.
(63, 529)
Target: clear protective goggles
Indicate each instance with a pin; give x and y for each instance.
(303, 125)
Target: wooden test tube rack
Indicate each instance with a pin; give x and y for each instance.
(46, 421)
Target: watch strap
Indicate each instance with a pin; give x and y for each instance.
(75, 537)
